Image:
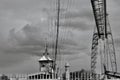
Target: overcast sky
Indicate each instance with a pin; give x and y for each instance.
(26, 26)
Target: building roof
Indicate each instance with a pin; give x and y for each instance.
(45, 56)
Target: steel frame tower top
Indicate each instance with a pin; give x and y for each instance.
(99, 10)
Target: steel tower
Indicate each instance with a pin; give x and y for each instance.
(102, 43)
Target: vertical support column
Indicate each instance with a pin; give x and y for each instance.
(75, 75)
(81, 76)
(72, 76)
(67, 72)
(87, 74)
(84, 75)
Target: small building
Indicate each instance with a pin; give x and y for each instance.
(45, 62)
(45, 69)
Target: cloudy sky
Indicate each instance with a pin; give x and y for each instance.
(27, 25)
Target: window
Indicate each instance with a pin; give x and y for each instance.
(33, 77)
(44, 76)
(36, 76)
(47, 76)
(50, 76)
(41, 76)
(29, 77)
(76, 74)
(70, 75)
